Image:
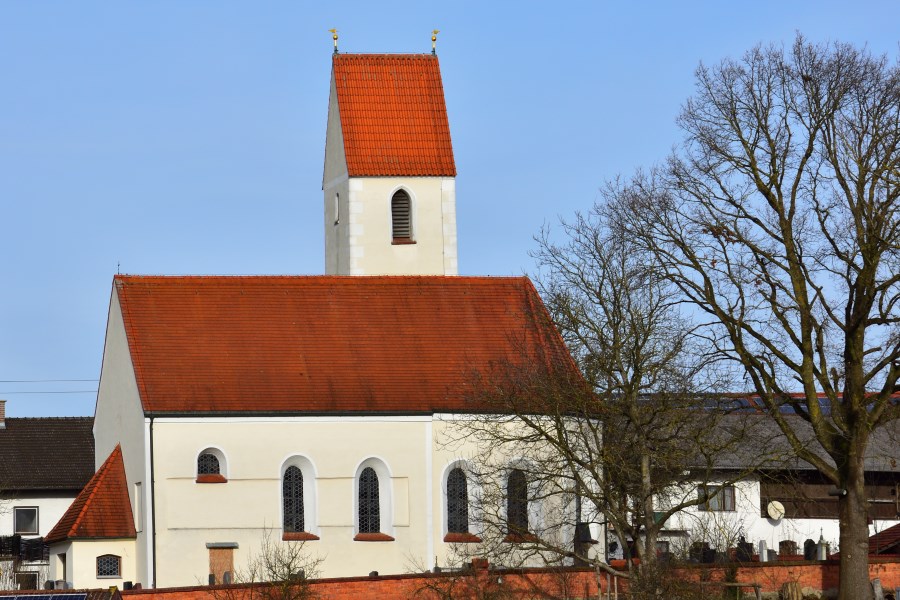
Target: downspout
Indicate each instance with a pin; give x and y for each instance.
(152, 506)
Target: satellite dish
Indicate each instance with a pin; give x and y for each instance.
(775, 510)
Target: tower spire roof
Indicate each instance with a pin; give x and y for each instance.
(393, 115)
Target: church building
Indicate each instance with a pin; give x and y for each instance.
(308, 408)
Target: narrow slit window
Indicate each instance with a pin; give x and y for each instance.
(401, 216)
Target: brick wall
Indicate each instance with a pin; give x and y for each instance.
(576, 583)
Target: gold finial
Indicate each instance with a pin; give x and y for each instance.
(434, 33)
(334, 36)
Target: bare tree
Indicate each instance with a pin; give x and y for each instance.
(778, 220)
(276, 571)
(626, 439)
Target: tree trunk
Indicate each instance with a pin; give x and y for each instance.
(648, 554)
(854, 540)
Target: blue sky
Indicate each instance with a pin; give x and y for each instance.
(187, 137)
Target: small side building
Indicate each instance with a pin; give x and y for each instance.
(93, 543)
(44, 464)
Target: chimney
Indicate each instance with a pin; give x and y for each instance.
(2, 414)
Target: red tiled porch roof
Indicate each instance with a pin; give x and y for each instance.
(393, 115)
(102, 509)
(324, 344)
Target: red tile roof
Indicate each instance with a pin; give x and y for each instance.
(324, 344)
(393, 115)
(885, 542)
(102, 509)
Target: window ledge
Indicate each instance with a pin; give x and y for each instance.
(298, 536)
(402, 242)
(461, 538)
(520, 538)
(372, 537)
(211, 479)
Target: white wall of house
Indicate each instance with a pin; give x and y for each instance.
(747, 519)
(119, 419)
(51, 507)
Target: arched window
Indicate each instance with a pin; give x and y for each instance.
(211, 466)
(369, 509)
(401, 217)
(457, 502)
(373, 502)
(292, 498)
(208, 464)
(517, 503)
(299, 520)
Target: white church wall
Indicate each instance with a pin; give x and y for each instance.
(337, 227)
(119, 419)
(191, 515)
(335, 157)
(51, 507)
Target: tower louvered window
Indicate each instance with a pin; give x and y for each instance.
(517, 502)
(369, 516)
(457, 502)
(292, 497)
(401, 216)
(207, 464)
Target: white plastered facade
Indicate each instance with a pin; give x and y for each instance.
(721, 526)
(192, 516)
(75, 562)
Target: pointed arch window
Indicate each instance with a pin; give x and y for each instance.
(517, 504)
(401, 217)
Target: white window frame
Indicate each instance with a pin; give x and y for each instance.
(219, 454)
(412, 214)
(385, 495)
(473, 491)
(310, 504)
(118, 574)
(534, 508)
(37, 522)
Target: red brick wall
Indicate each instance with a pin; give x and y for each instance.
(575, 583)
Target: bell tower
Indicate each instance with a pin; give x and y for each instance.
(390, 178)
